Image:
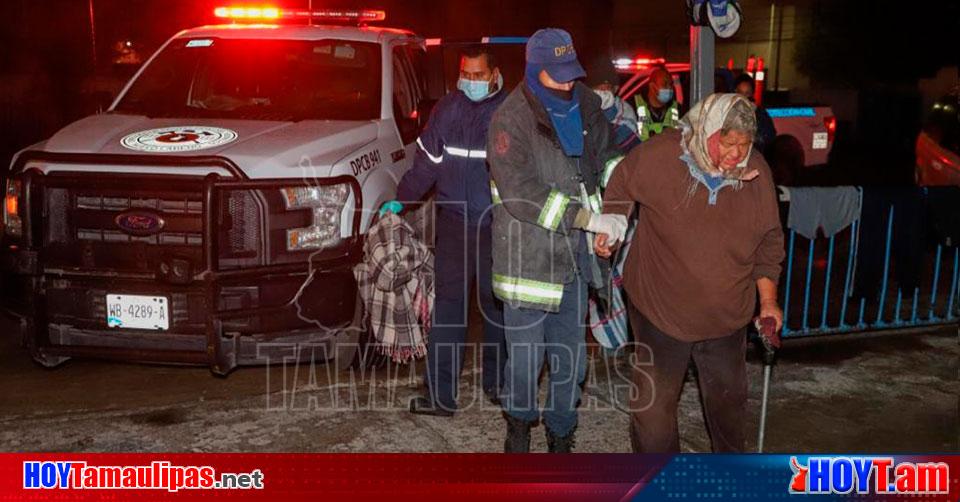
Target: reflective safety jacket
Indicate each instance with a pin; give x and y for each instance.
(648, 127)
(451, 156)
(537, 193)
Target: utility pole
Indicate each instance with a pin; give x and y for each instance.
(776, 79)
(773, 13)
(93, 33)
(702, 63)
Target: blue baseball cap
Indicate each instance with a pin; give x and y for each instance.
(552, 49)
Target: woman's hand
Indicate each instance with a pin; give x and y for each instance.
(600, 246)
(767, 291)
(770, 308)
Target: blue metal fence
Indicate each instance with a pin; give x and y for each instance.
(822, 273)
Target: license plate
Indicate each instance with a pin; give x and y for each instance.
(138, 312)
(819, 140)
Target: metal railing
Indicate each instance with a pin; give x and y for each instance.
(819, 295)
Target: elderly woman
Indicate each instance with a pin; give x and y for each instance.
(708, 241)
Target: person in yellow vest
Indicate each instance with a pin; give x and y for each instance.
(656, 106)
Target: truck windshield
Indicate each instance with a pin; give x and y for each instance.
(286, 80)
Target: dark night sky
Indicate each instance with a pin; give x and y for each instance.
(52, 29)
(56, 32)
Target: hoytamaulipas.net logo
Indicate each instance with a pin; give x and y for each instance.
(868, 475)
(158, 475)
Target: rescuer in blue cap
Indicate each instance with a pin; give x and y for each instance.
(548, 145)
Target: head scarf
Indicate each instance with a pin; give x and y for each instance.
(705, 119)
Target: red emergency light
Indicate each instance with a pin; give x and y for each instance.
(271, 13)
(251, 13)
(647, 61)
(637, 63)
(830, 123)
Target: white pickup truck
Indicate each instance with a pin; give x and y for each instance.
(214, 213)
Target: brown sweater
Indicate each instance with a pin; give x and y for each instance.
(692, 267)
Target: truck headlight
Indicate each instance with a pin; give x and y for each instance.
(11, 209)
(327, 204)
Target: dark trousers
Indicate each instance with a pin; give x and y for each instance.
(659, 372)
(535, 337)
(463, 261)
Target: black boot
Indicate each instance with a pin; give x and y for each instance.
(518, 435)
(424, 406)
(558, 444)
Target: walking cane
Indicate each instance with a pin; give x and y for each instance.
(767, 328)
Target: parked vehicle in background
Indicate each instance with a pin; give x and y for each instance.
(805, 134)
(938, 144)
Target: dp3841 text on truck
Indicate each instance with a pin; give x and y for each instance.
(214, 213)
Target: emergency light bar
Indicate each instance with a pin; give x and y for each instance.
(432, 42)
(252, 13)
(269, 13)
(636, 63)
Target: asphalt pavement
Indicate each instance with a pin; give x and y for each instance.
(891, 393)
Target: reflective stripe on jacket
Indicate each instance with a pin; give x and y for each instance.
(671, 119)
(538, 190)
(451, 156)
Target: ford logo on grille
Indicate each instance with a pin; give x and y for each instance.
(139, 223)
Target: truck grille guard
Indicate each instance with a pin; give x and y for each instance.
(221, 352)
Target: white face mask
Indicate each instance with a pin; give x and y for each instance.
(607, 98)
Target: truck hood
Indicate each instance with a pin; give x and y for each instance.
(262, 149)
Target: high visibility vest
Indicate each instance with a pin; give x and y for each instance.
(645, 122)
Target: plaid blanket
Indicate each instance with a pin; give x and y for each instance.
(396, 286)
(608, 319)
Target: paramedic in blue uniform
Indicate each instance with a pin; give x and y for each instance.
(451, 158)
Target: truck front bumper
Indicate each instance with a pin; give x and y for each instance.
(220, 316)
(222, 322)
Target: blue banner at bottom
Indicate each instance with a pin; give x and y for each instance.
(396, 477)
